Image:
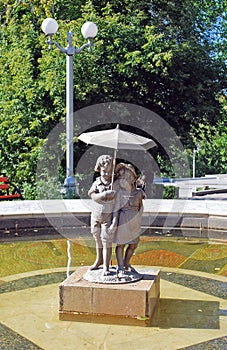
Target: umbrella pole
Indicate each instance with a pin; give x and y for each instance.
(114, 164)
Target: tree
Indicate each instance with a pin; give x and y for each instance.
(212, 155)
(167, 56)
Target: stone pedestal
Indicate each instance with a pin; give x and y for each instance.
(129, 303)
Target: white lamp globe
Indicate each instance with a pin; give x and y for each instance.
(49, 26)
(89, 30)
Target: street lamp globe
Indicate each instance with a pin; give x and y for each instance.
(89, 30)
(49, 26)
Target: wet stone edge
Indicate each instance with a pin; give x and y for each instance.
(32, 282)
(214, 344)
(9, 340)
(202, 284)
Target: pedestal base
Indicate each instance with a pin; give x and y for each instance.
(131, 303)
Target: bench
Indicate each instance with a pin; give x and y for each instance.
(209, 191)
(8, 191)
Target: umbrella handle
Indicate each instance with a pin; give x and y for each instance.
(114, 164)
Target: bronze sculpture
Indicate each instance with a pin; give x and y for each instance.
(116, 216)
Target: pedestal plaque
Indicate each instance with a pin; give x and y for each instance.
(123, 303)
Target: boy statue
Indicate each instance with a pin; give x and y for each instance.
(101, 216)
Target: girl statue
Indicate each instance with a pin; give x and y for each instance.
(127, 214)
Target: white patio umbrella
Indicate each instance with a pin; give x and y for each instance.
(117, 139)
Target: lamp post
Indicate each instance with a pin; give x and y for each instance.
(89, 31)
(195, 150)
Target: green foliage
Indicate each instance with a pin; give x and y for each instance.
(170, 192)
(211, 157)
(167, 56)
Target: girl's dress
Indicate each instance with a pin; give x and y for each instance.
(130, 209)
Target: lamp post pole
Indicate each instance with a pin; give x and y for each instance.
(69, 116)
(193, 163)
(195, 150)
(89, 31)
